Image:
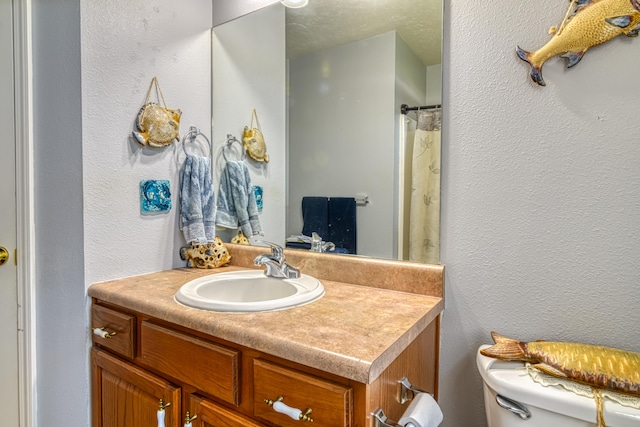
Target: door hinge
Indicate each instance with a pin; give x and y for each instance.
(15, 257)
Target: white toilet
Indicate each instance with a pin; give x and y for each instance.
(505, 386)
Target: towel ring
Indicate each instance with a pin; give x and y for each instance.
(191, 137)
(228, 146)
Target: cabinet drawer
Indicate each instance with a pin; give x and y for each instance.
(331, 404)
(212, 415)
(123, 341)
(211, 368)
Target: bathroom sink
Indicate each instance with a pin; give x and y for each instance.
(248, 291)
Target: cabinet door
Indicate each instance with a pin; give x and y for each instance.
(124, 395)
(210, 414)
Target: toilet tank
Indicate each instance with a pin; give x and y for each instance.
(548, 406)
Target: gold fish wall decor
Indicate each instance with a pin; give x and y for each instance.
(587, 23)
(157, 125)
(596, 366)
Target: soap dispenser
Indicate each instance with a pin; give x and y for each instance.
(317, 245)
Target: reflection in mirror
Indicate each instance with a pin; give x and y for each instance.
(359, 173)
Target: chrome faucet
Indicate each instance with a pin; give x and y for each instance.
(319, 245)
(275, 265)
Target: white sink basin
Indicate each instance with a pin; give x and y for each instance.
(247, 291)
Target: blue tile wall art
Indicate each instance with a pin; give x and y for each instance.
(155, 196)
(257, 192)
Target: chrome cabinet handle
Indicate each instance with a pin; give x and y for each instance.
(514, 407)
(294, 413)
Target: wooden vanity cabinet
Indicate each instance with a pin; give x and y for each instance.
(227, 385)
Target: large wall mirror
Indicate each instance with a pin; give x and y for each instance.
(328, 81)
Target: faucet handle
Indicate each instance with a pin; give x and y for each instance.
(289, 271)
(276, 251)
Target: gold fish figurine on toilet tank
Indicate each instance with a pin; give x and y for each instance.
(587, 23)
(596, 366)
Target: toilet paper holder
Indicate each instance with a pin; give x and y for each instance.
(380, 419)
(406, 393)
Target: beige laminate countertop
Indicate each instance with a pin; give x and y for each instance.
(353, 331)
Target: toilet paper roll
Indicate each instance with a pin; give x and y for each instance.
(423, 411)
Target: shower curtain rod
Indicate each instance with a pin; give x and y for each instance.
(404, 108)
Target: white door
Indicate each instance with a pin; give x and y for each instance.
(9, 406)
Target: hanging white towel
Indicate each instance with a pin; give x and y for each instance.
(197, 200)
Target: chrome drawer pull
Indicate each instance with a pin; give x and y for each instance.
(294, 413)
(102, 333)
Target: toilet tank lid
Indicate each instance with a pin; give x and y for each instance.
(511, 380)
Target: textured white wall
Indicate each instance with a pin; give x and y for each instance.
(253, 77)
(61, 298)
(124, 45)
(327, 87)
(540, 223)
(434, 84)
(93, 62)
(226, 10)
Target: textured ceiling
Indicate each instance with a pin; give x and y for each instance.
(327, 23)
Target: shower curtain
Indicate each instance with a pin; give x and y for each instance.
(424, 219)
